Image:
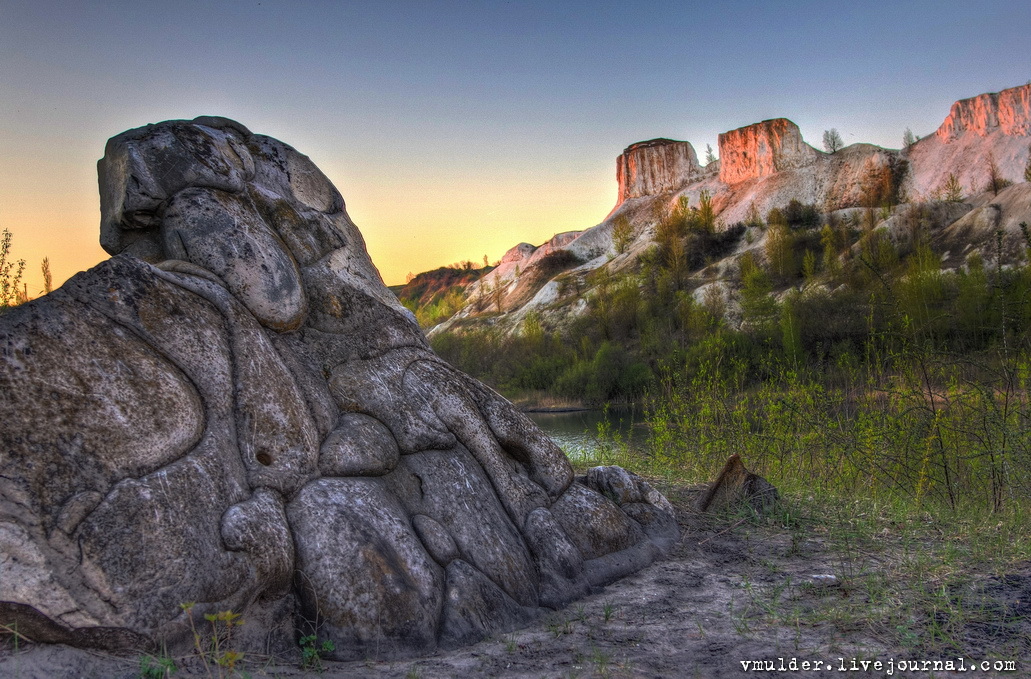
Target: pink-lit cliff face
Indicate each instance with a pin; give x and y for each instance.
(652, 167)
(764, 166)
(1008, 111)
(762, 149)
(768, 163)
(994, 127)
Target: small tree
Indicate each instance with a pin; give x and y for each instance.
(832, 140)
(758, 308)
(780, 250)
(676, 261)
(10, 274)
(908, 138)
(809, 265)
(753, 219)
(497, 293)
(1027, 166)
(791, 329)
(482, 294)
(830, 242)
(952, 192)
(622, 233)
(706, 213)
(996, 182)
(710, 157)
(673, 224)
(48, 278)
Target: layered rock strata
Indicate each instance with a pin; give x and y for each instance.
(233, 413)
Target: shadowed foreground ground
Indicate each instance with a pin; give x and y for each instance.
(735, 588)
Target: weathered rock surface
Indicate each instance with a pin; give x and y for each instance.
(234, 411)
(1008, 111)
(762, 149)
(650, 167)
(993, 127)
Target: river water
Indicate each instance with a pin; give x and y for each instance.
(578, 432)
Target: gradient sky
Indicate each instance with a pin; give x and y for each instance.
(456, 130)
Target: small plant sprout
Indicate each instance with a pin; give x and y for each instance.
(157, 667)
(217, 647)
(312, 652)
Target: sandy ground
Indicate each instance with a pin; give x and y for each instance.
(719, 599)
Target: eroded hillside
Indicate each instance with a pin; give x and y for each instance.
(960, 185)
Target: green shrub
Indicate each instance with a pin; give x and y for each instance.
(555, 262)
(800, 215)
(540, 372)
(10, 274)
(622, 233)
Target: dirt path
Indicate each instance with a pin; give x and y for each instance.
(730, 591)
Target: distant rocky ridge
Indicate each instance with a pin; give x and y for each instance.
(995, 124)
(763, 166)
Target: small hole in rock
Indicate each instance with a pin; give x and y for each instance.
(264, 458)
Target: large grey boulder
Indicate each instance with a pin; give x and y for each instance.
(234, 412)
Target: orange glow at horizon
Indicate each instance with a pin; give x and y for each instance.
(455, 130)
(407, 229)
(426, 231)
(62, 228)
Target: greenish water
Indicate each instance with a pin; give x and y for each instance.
(577, 433)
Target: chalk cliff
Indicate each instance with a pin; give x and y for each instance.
(989, 128)
(651, 167)
(1008, 111)
(769, 163)
(763, 149)
(763, 166)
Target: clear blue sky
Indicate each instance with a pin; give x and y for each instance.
(458, 129)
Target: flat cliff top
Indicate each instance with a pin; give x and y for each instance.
(660, 141)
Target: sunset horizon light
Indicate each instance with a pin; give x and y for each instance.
(455, 131)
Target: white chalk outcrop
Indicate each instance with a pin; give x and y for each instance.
(766, 165)
(651, 167)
